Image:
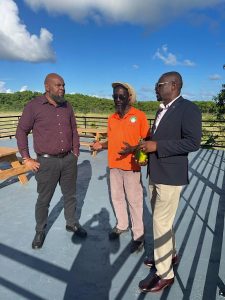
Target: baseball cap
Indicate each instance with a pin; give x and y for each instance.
(131, 91)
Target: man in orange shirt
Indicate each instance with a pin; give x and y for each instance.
(125, 129)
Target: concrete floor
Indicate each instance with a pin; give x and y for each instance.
(96, 268)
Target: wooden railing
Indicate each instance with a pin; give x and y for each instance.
(213, 131)
(8, 125)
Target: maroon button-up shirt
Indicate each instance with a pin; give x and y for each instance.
(54, 128)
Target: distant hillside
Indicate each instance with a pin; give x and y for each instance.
(86, 104)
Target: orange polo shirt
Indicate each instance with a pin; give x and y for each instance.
(131, 128)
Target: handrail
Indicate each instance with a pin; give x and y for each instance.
(213, 130)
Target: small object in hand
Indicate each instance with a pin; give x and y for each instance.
(141, 156)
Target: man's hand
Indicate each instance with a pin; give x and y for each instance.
(96, 146)
(148, 146)
(127, 149)
(31, 164)
(76, 155)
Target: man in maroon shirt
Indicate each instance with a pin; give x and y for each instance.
(56, 143)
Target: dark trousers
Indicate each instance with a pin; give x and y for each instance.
(51, 172)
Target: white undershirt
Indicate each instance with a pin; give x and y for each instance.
(164, 109)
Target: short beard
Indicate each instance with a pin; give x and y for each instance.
(121, 109)
(58, 99)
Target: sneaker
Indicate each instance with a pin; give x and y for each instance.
(116, 232)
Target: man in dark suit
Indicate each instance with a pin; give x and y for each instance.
(176, 132)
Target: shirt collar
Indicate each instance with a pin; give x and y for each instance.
(162, 106)
(130, 112)
(45, 101)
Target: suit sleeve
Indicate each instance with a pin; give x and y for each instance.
(191, 132)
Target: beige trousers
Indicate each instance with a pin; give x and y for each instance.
(164, 203)
(127, 185)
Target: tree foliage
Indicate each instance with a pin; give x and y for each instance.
(87, 104)
(220, 105)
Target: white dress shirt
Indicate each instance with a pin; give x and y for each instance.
(162, 110)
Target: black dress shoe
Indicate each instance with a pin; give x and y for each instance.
(151, 263)
(136, 246)
(77, 229)
(38, 240)
(154, 284)
(116, 232)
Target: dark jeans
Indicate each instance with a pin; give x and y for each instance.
(51, 172)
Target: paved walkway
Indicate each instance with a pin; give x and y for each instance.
(96, 269)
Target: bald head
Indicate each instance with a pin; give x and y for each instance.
(175, 77)
(55, 88)
(52, 76)
(168, 87)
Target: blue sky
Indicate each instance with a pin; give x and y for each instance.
(92, 43)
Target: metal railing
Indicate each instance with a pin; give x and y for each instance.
(213, 130)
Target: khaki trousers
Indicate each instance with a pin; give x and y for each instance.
(164, 203)
(127, 184)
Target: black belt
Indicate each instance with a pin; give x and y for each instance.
(60, 155)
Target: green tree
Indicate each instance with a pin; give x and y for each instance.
(220, 105)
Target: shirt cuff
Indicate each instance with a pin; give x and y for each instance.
(76, 153)
(25, 154)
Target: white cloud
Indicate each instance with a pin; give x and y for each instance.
(215, 77)
(135, 67)
(206, 95)
(151, 12)
(188, 63)
(16, 43)
(23, 88)
(170, 59)
(101, 95)
(201, 96)
(3, 89)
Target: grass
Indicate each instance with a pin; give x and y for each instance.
(10, 113)
(18, 113)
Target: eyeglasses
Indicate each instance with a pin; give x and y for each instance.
(120, 96)
(159, 84)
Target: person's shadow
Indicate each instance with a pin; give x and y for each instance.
(84, 173)
(90, 275)
(107, 177)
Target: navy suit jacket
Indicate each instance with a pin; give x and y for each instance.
(178, 133)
